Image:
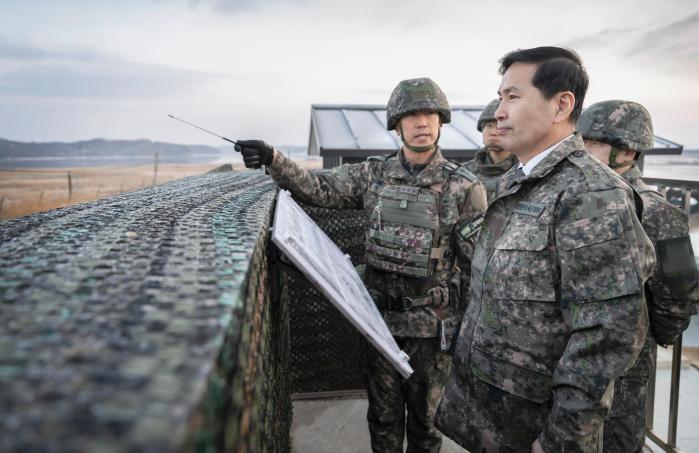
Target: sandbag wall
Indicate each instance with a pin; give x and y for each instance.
(145, 322)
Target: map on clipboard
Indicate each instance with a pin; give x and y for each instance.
(333, 273)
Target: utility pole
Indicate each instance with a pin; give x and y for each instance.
(155, 169)
(70, 186)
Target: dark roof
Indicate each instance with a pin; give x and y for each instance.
(360, 130)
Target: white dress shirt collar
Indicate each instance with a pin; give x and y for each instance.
(539, 157)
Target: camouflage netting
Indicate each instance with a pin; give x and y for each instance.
(143, 322)
(325, 347)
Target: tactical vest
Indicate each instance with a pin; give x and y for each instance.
(404, 235)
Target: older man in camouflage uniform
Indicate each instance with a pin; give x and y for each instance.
(491, 161)
(556, 308)
(424, 215)
(617, 132)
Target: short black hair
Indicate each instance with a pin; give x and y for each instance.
(558, 69)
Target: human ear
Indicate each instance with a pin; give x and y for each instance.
(565, 102)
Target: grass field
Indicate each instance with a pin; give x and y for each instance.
(28, 190)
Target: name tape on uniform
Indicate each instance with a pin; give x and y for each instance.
(527, 208)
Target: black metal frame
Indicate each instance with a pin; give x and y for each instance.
(670, 444)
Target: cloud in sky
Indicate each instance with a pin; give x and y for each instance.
(85, 72)
(237, 6)
(678, 41)
(13, 50)
(99, 82)
(673, 44)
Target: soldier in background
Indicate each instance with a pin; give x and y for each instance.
(424, 214)
(617, 132)
(491, 161)
(556, 310)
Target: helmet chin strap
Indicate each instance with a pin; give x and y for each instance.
(418, 149)
(494, 148)
(612, 159)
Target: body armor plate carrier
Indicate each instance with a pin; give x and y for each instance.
(404, 232)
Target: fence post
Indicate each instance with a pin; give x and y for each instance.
(155, 169)
(70, 186)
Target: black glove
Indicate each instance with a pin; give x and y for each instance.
(255, 152)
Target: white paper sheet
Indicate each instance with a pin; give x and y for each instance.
(332, 272)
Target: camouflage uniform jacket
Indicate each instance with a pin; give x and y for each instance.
(669, 312)
(463, 201)
(488, 172)
(670, 308)
(556, 309)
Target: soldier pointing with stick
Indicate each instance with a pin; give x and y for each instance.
(424, 214)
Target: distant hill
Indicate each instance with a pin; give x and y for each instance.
(99, 152)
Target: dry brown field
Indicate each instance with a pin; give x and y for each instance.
(27, 190)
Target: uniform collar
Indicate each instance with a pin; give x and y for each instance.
(527, 169)
(429, 175)
(484, 164)
(633, 174)
(553, 157)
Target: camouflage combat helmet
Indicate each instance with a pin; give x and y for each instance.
(413, 95)
(623, 124)
(488, 114)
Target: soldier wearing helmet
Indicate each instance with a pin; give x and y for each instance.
(617, 132)
(424, 215)
(492, 161)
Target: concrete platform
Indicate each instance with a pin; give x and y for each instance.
(339, 425)
(688, 422)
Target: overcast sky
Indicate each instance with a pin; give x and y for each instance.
(74, 70)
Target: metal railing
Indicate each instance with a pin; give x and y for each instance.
(670, 443)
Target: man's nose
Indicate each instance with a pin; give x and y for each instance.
(421, 120)
(500, 113)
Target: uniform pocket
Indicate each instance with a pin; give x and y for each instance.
(596, 260)
(521, 266)
(590, 231)
(513, 379)
(629, 397)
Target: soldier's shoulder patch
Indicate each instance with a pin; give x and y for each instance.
(466, 173)
(453, 168)
(450, 166)
(470, 228)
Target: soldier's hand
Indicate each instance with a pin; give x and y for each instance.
(255, 152)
